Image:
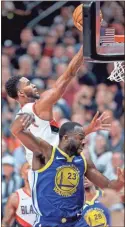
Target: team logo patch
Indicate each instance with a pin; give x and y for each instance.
(66, 180)
(95, 217)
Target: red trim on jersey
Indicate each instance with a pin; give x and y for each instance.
(54, 123)
(22, 222)
(26, 192)
(18, 199)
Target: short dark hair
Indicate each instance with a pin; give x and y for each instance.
(67, 127)
(11, 86)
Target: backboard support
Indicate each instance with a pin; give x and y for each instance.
(92, 48)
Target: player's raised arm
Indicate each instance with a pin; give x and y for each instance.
(50, 97)
(10, 210)
(101, 181)
(36, 145)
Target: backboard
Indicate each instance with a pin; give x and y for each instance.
(100, 43)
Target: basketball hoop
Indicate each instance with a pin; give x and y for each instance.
(118, 73)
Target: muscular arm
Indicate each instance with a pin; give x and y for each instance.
(36, 145)
(10, 210)
(99, 180)
(50, 97)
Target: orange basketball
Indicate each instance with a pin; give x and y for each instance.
(78, 17)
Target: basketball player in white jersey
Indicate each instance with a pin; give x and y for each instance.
(26, 94)
(19, 206)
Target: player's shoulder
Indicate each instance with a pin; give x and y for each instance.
(27, 108)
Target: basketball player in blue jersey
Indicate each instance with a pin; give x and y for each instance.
(58, 174)
(94, 212)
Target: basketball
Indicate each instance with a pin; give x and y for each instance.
(78, 18)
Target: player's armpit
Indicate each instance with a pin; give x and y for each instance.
(10, 210)
(50, 97)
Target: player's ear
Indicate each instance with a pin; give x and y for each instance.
(65, 137)
(20, 93)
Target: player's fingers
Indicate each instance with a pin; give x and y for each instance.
(102, 116)
(27, 121)
(105, 118)
(23, 117)
(96, 116)
(106, 127)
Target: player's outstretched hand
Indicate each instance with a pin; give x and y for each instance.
(22, 122)
(98, 123)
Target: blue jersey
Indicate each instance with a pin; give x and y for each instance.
(95, 213)
(58, 188)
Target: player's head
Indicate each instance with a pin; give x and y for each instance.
(87, 184)
(20, 88)
(72, 137)
(24, 171)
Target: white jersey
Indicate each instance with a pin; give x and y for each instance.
(25, 215)
(47, 130)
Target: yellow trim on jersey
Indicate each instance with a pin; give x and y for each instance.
(49, 163)
(69, 159)
(93, 200)
(85, 162)
(102, 192)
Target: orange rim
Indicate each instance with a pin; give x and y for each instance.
(119, 38)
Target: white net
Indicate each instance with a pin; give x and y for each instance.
(118, 73)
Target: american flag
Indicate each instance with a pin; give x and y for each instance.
(107, 35)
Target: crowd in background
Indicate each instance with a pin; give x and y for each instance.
(42, 58)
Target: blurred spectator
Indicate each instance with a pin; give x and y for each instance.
(69, 39)
(70, 52)
(19, 152)
(60, 69)
(112, 200)
(78, 117)
(44, 69)
(9, 49)
(57, 113)
(25, 66)
(64, 17)
(4, 148)
(117, 160)
(59, 56)
(6, 74)
(34, 50)
(7, 7)
(50, 43)
(99, 152)
(11, 181)
(60, 29)
(116, 140)
(26, 36)
(5, 61)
